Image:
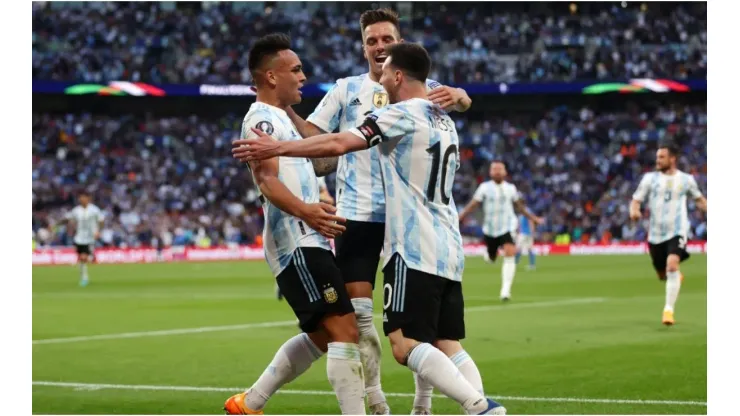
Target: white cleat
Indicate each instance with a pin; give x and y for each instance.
(418, 410)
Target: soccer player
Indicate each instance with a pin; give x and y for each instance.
(296, 247)
(88, 219)
(667, 190)
(359, 190)
(499, 199)
(423, 304)
(525, 240)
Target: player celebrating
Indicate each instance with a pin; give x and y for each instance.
(359, 190)
(88, 220)
(499, 199)
(525, 240)
(669, 221)
(296, 247)
(423, 302)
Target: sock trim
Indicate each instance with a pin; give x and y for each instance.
(363, 306)
(460, 358)
(315, 351)
(343, 351)
(418, 355)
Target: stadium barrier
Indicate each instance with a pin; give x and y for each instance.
(67, 255)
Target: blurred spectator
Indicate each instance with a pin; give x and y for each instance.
(172, 180)
(169, 42)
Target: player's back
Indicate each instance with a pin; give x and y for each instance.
(284, 233)
(418, 165)
(667, 197)
(359, 189)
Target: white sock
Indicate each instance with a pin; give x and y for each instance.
(423, 395)
(672, 287)
(370, 350)
(508, 269)
(434, 366)
(83, 271)
(344, 369)
(467, 367)
(293, 358)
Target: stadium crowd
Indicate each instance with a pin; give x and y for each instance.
(173, 181)
(168, 42)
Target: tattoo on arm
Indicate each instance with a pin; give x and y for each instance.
(325, 165)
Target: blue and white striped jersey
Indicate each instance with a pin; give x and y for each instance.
(667, 203)
(498, 207)
(419, 156)
(284, 233)
(359, 190)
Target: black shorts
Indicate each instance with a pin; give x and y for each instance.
(358, 251)
(313, 286)
(84, 248)
(424, 306)
(659, 252)
(493, 244)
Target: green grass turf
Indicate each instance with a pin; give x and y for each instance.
(577, 328)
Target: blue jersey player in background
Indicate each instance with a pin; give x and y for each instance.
(525, 240)
(423, 305)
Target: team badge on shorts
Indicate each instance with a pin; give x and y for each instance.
(330, 295)
(380, 99)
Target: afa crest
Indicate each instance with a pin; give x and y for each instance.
(380, 99)
(330, 295)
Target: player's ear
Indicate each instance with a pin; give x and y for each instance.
(364, 50)
(270, 77)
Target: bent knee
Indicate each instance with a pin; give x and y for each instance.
(342, 328)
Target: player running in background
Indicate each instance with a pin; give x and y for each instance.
(423, 306)
(88, 220)
(499, 199)
(525, 240)
(359, 190)
(296, 247)
(667, 190)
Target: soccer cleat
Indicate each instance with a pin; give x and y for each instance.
(84, 282)
(236, 405)
(494, 408)
(380, 409)
(668, 318)
(419, 410)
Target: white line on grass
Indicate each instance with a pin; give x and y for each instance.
(92, 386)
(277, 324)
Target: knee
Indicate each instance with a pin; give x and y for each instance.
(509, 250)
(321, 339)
(672, 263)
(447, 346)
(401, 347)
(342, 328)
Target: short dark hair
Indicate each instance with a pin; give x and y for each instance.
(672, 149)
(499, 161)
(370, 17)
(266, 47)
(412, 59)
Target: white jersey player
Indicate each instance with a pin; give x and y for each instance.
(88, 220)
(500, 199)
(296, 247)
(667, 191)
(418, 146)
(359, 187)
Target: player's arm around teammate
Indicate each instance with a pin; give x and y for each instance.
(319, 216)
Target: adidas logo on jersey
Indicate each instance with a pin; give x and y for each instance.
(385, 317)
(354, 102)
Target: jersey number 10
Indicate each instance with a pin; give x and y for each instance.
(432, 189)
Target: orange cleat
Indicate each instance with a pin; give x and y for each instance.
(236, 405)
(668, 318)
